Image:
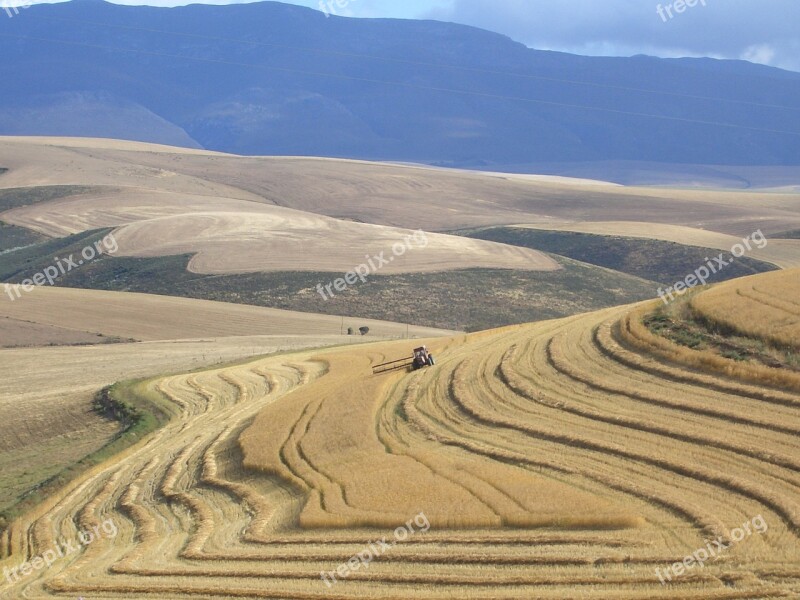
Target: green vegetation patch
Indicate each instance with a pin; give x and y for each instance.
(679, 324)
(138, 408)
(471, 299)
(13, 237)
(16, 197)
(664, 262)
(109, 405)
(25, 262)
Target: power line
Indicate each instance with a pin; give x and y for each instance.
(406, 85)
(427, 64)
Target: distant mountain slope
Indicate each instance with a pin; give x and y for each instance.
(91, 115)
(270, 78)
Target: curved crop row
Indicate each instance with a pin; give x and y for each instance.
(564, 459)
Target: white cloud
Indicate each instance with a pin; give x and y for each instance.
(760, 53)
(739, 29)
(785, 55)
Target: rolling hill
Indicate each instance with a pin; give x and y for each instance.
(83, 340)
(532, 461)
(270, 231)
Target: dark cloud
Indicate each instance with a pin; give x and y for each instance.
(765, 31)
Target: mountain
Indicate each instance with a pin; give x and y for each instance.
(91, 115)
(271, 78)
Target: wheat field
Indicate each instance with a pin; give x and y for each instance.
(762, 308)
(765, 307)
(551, 460)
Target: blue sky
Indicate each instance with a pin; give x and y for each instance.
(756, 30)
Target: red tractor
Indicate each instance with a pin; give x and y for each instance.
(422, 358)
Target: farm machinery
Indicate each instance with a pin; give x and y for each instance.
(420, 359)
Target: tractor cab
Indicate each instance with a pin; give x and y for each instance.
(422, 358)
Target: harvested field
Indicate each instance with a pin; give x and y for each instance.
(764, 307)
(46, 393)
(552, 460)
(740, 307)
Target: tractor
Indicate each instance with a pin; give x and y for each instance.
(420, 359)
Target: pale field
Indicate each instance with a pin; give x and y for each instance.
(146, 317)
(161, 196)
(553, 460)
(237, 236)
(15, 333)
(564, 459)
(229, 230)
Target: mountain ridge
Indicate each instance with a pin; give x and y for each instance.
(275, 79)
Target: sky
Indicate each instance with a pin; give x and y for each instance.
(763, 31)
